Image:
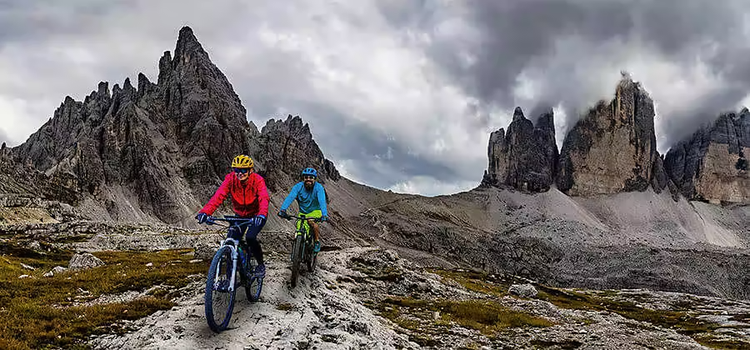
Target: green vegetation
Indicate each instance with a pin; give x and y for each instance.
(284, 307)
(46, 311)
(476, 281)
(486, 316)
(681, 321)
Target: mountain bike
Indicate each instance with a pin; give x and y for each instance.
(232, 258)
(303, 248)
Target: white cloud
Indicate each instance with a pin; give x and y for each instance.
(428, 186)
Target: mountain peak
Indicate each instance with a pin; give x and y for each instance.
(188, 45)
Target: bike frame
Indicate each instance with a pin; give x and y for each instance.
(303, 228)
(232, 243)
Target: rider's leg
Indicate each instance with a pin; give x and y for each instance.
(316, 233)
(316, 229)
(251, 236)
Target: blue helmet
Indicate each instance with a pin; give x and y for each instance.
(309, 171)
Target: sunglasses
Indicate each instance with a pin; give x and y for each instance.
(308, 177)
(241, 170)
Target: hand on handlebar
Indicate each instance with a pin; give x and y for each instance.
(205, 218)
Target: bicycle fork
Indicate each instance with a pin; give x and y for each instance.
(233, 277)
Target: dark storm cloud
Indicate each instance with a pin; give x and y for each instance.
(22, 21)
(505, 38)
(370, 155)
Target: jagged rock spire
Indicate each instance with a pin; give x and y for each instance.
(525, 157)
(613, 148)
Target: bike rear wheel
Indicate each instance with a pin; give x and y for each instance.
(253, 285)
(219, 300)
(297, 250)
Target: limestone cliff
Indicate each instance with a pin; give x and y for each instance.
(525, 157)
(613, 148)
(712, 164)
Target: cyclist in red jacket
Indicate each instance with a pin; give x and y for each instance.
(249, 200)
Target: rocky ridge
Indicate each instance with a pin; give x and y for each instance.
(120, 151)
(526, 157)
(610, 150)
(712, 164)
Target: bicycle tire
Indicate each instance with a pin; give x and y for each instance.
(253, 285)
(312, 257)
(296, 259)
(253, 289)
(217, 327)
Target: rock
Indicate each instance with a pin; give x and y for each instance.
(82, 261)
(205, 252)
(287, 147)
(523, 290)
(613, 148)
(24, 276)
(659, 178)
(35, 246)
(712, 164)
(525, 157)
(27, 267)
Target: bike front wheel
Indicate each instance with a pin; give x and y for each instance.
(220, 294)
(297, 250)
(312, 257)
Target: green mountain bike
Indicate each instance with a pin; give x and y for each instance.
(303, 248)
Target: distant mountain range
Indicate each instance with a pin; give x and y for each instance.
(607, 210)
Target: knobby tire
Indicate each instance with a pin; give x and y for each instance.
(226, 253)
(296, 258)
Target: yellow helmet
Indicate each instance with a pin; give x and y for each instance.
(242, 161)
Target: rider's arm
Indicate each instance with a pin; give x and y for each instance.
(262, 191)
(218, 197)
(322, 200)
(291, 196)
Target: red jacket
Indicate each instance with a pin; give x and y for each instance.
(248, 200)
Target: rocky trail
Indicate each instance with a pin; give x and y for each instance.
(370, 298)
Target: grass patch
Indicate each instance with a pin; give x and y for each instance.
(42, 311)
(718, 343)
(681, 321)
(284, 307)
(476, 281)
(381, 273)
(486, 316)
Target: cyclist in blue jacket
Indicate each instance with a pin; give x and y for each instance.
(311, 197)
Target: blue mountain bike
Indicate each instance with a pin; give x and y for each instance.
(233, 258)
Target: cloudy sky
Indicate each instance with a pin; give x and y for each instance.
(415, 85)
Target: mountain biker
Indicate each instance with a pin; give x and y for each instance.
(311, 197)
(249, 200)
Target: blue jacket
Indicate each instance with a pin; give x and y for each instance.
(307, 200)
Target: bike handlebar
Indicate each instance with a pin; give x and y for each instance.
(301, 217)
(211, 220)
